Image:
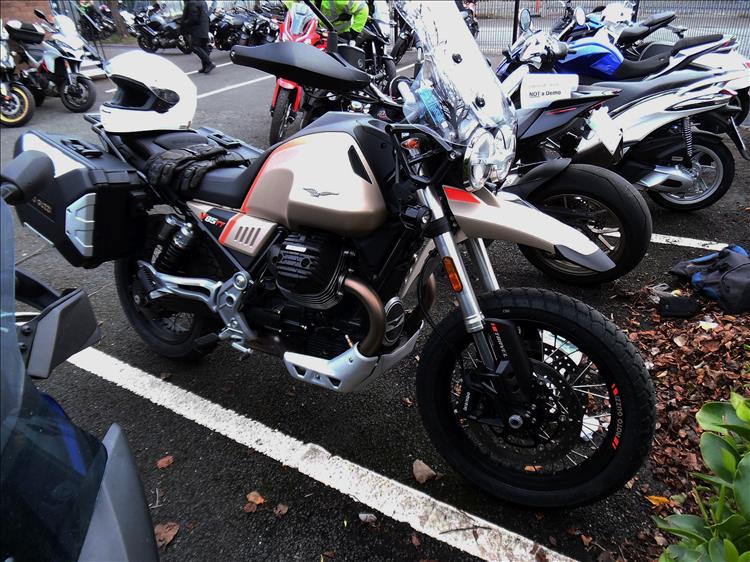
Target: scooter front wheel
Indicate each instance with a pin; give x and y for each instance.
(603, 206)
(583, 431)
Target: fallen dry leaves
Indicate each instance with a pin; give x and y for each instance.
(422, 472)
(164, 462)
(165, 533)
(692, 361)
(254, 499)
(281, 510)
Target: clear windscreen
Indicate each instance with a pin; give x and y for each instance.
(301, 16)
(456, 90)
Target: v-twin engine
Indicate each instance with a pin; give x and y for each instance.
(309, 269)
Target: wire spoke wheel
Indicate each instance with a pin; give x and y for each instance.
(571, 417)
(574, 432)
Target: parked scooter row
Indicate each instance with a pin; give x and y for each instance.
(312, 249)
(670, 119)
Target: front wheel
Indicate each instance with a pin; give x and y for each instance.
(147, 44)
(80, 96)
(17, 107)
(589, 420)
(603, 206)
(712, 169)
(282, 115)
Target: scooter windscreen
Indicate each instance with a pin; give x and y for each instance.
(456, 92)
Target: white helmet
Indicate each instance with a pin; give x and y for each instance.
(153, 94)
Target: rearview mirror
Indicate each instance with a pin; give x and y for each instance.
(40, 14)
(580, 15)
(524, 20)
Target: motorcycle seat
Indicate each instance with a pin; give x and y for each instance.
(641, 68)
(634, 91)
(226, 187)
(695, 41)
(633, 33)
(658, 19)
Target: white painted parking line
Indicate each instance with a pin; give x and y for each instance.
(681, 241)
(425, 514)
(235, 86)
(687, 242)
(187, 74)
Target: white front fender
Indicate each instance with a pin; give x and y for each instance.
(508, 217)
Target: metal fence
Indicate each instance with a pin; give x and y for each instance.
(699, 16)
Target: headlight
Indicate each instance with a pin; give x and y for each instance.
(488, 157)
(477, 159)
(505, 153)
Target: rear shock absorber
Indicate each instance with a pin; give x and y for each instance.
(169, 259)
(687, 133)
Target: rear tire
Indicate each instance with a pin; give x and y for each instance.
(724, 159)
(147, 322)
(19, 109)
(281, 115)
(613, 195)
(79, 101)
(39, 96)
(533, 478)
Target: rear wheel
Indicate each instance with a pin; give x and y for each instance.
(78, 97)
(712, 167)
(39, 96)
(17, 107)
(584, 431)
(171, 333)
(282, 115)
(603, 206)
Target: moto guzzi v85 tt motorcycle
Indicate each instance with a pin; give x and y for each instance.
(532, 396)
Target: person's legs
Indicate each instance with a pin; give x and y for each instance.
(200, 49)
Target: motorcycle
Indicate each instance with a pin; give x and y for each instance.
(154, 32)
(54, 65)
(532, 396)
(16, 101)
(66, 494)
(241, 27)
(95, 24)
(300, 25)
(613, 25)
(680, 168)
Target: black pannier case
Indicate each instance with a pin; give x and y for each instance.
(95, 210)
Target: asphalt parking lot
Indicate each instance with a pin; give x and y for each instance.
(216, 417)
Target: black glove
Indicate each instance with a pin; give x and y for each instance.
(161, 169)
(192, 174)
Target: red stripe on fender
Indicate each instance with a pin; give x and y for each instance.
(228, 228)
(455, 194)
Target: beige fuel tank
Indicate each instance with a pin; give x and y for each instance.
(321, 180)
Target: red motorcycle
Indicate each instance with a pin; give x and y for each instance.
(300, 26)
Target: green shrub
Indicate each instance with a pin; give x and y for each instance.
(722, 532)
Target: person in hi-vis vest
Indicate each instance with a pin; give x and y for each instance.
(347, 16)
